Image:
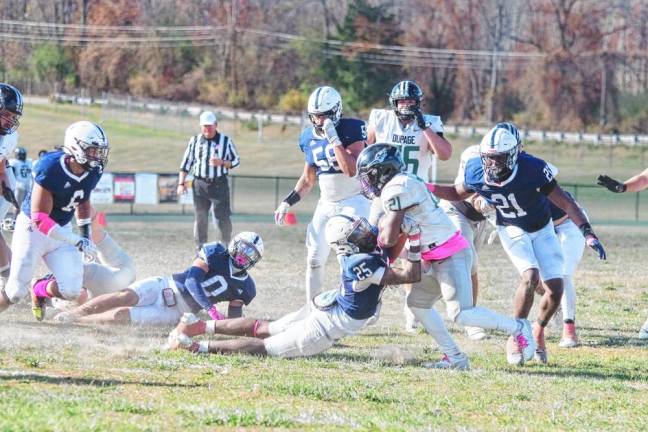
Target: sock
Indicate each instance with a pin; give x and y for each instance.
(436, 328)
(487, 319)
(40, 288)
(568, 301)
(210, 327)
(203, 347)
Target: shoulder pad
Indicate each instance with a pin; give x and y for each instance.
(469, 153)
(376, 117)
(402, 192)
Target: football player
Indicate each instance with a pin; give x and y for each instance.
(218, 274)
(330, 148)
(418, 136)
(520, 187)
(636, 183)
(447, 257)
(63, 182)
(11, 108)
(22, 170)
(335, 314)
(467, 217)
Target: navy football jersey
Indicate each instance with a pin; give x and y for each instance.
(360, 291)
(68, 190)
(518, 199)
(319, 153)
(220, 282)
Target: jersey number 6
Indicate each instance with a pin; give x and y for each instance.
(74, 201)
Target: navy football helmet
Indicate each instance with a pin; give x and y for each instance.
(376, 165)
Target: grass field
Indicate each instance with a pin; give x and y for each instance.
(82, 378)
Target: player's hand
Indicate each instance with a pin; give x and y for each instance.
(593, 242)
(88, 249)
(330, 133)
(182, 188)
(214, 161)
(410, 227)
(482, 206)
(420, 119)
(214, 314)
(611, 184)
(280, 213)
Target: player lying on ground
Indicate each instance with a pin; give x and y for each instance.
(520, 187)
(336, 313)
(217, 274)
(63, 182)
(447, 257)
(636, 183)
(113, 271)
(11, 107)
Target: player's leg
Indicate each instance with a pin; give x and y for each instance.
(549, 255)
(221, 206)
(572, 245)
(202, 204)
(27, 247)
(453, 275)
(317, 249)
(5, 252)
(116, 271)
(421, 301)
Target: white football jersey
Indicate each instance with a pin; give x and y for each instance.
(406, 191)
(8, 144)
(410, 139)
(23, 172)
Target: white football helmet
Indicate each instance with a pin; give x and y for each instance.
(246, 249)
(324, 101)
(499, 150)
(348, 235)
(87, 143)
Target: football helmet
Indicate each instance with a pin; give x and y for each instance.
(348, 235)
(21, 153)
(511, 128)
(246, 249)
(11, 108)
(406, 90)
(499, 150)
(376, 165)
(324, 101)
(87, 143)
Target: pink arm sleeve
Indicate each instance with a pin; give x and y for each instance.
(43, 222)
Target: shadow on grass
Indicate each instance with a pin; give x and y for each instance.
(95, 382)
(613, 341)
(556, 371)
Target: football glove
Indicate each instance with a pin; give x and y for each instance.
(87, 248)
(420, 119)
(330, 133)
(611, 184)
(410, 227)
(593, 242)
(280, 213)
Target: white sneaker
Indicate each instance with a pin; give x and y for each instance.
(569, 338)
(643, 332)
(475, 333)
(459, 362)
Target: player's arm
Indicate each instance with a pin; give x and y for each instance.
(235, 309)
(84, 218)
(347, 157)
(302, 188)
(411, 270)
(193, 283)
(371, 133)
(455, 192)
(390, 228)
(42, 203)
(635, 183)
(557, 196)
(438, 144)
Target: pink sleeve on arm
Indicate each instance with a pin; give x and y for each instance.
(43, 222)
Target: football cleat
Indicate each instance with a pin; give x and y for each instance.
(514, 354)
(569, 338)
(39, 304)
(475, 333)
(178, 341)
(65, 317)
(540, 354)
(458, 362)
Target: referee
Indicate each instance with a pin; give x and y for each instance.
(209, 157)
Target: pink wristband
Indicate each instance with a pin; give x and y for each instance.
(43, 222)
(430, 187)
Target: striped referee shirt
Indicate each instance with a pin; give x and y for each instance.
(200, 150)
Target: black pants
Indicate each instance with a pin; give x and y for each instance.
(206, 194)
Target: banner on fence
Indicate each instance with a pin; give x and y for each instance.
(103, 192)
(146, 188)
(123, 188)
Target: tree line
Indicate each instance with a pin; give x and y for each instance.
(568, 64)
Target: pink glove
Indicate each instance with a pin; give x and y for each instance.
(214, 314)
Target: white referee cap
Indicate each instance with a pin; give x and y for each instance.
(207, 118)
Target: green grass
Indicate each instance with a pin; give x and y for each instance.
(58, 377)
